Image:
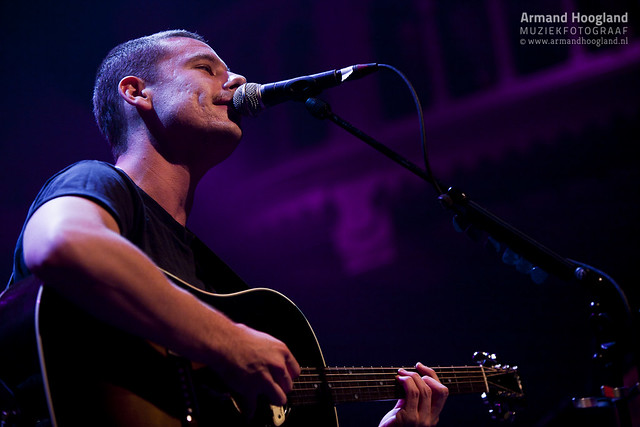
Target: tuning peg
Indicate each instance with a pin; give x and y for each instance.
(485, 359)
(504, 392)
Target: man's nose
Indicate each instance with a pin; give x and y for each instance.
(234, 81)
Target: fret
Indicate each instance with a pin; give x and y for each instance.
(353, 384)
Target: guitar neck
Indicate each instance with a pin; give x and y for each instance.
(354, 384)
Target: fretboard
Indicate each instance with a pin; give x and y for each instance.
(353, 384)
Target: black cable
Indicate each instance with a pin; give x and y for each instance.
(623, 297)
(423, 137)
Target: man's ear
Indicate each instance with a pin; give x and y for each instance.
(133, 90)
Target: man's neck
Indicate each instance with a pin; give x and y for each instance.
(172, 186)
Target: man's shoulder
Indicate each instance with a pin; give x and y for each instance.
(85, 172)
(88, 166)
(94, 179)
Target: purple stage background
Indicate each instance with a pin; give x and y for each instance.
(545, 136)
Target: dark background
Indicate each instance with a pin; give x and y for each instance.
(544, 136)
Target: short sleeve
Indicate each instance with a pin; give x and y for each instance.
(97, 181)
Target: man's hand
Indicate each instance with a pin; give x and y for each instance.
(424, 399)
(259, 365)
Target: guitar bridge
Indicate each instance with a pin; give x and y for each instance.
(278, 415)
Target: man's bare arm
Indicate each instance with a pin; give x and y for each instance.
(74, 246)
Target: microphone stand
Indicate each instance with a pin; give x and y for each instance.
(611, 315)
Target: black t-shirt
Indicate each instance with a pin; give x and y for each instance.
(142, 221)
(102, 359)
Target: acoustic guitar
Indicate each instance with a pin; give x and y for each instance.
(59, 366)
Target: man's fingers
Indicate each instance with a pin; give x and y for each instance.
(432, 380)
(418, 394)
(276, 395)
(292, 365)
(425, 370)
(439, 391)
(282, 380)
(283, 375)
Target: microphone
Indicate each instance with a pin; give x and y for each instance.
(252, 98)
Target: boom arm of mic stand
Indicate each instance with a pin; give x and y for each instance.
(472, 214)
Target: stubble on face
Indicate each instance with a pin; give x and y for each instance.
(192, 103)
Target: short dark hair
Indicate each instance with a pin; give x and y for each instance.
(137, 57)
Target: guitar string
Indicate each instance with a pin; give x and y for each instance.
(381, 384)
(341, 378)
(351, 379)
(369, 394)
(306, 389)
(338, 381)
(368, 372)
(450, 376)
(438, 369)
(342, 394)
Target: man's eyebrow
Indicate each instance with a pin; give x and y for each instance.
(202, 56)
(206, 57)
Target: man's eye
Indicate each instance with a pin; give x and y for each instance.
(206, 68)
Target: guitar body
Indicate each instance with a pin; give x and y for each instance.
(22, 394)
(83, 372)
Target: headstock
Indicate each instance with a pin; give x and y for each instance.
(504, 394)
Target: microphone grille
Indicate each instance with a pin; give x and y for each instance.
(247, 100)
